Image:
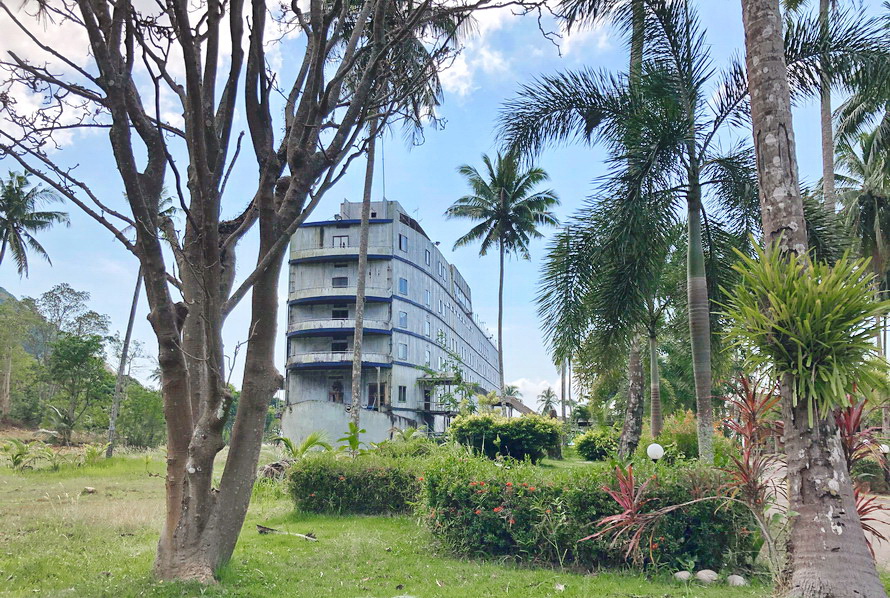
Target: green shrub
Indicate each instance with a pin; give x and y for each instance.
(475, 507)
(870, 473)
(322, 483)
(527, 436)
(596, 444)
(679, 437)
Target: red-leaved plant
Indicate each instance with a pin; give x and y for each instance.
(857, 442)
(632, 522)
(753, 470)
(866, 506)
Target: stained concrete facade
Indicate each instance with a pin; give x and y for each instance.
(418, 311)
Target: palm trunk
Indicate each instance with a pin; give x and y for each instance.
(121, 369)
(6, 385)
(699, 322)
(828, 555)
(637, 39)
(501, 317)
(633, 412)
(654, 386)
(361, 278)
(825, 120)
(562, 402)
(2, 250)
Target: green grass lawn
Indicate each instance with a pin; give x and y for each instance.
(56, 541)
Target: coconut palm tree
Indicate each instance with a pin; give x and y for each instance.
(508, 212)
(548, 401)
(663, 133)
(20, 219)
(410, 94)
(828, 555)
(864, 193)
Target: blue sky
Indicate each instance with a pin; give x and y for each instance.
(506, 52)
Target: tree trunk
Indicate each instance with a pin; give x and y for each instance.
(562, 403)
(828, 556)
(637, 39)
(825, 120)
(360, 280)
(654, 386)
(633, 411)
(121, 370)
(699, 324)
(501, 322)
(6, 385)
(203, 522)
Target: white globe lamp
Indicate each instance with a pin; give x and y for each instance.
(655, 451)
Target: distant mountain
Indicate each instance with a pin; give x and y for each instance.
(6, 295)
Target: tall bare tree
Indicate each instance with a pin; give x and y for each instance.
(827, 550)
(305, 121)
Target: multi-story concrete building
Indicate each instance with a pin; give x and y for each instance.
(418, 324)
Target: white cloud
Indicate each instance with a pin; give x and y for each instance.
(583, 38)
(478, 53)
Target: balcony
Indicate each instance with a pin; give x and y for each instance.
(337, 359)
(324, 327)
(330, 294)
(335, 254)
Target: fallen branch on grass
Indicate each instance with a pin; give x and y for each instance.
(268, 530)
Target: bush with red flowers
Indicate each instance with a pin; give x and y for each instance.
(478, 507)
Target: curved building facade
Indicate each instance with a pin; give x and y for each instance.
(418, 319)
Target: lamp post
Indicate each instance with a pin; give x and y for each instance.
(655, 452)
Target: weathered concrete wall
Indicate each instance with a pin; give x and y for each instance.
(301, 419)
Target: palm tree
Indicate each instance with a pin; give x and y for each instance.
(663, 133)
(511, 390)
(20, 219)
(548, 401)
(828, 555)
(864, 192)
(410, 94)
(508, 213)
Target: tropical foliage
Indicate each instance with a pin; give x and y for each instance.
(812, 322)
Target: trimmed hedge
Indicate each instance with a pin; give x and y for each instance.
(365, 485)
(473, 507)
(596, 444)
(520, 437)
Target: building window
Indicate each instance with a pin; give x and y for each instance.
(427, 257)
(339, 345)
(427, 297)
(341, 241)
(427, 328)
(427, 359)
(341, 265)
(339, 312)
(403, 351)
(441, 306)
(440, 337)
(403, 319)
(403, 394)
(441, 362)
(373, 214)
(403, 242)
(339, 282)
(403, 286)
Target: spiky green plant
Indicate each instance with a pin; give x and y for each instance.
(810, 321)
(17, 452)
(292, 450)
